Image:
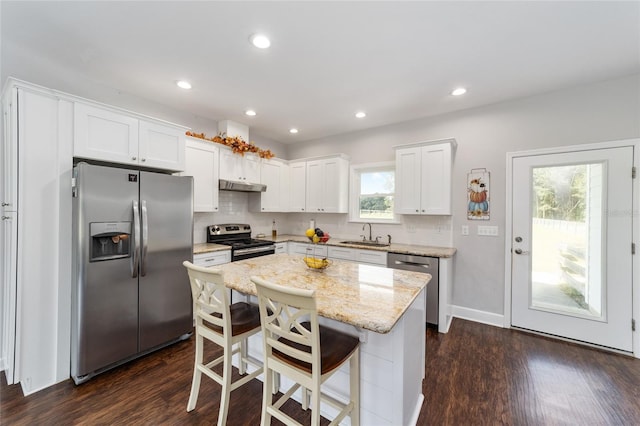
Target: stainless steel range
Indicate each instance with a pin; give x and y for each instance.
(238, 236)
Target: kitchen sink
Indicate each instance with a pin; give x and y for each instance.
(365, 243)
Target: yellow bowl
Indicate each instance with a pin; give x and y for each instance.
(316, 263)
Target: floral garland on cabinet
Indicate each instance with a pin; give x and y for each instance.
(236, 143)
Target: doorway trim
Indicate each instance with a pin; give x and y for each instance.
(508, 233)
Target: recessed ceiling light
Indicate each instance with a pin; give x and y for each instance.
(250, 112)
(459, 91)
(361, 114)
(183, 84)
(294, 130)
(260, 41)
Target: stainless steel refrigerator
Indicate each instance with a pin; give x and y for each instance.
(132, 230)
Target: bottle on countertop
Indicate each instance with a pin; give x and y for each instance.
(274, 231)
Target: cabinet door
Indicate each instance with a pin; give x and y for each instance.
(201, 162)
(281, 247)
(270, 176)
(298, 172)
(8, 239)
(104, 135)
(161, 146)
(212, 259)
(341, 253)
(251, 167)
(371, 256)
(436, 179)
(408, 180)
(230, 165)
(9, 188)
(315, 185)
(335, 185)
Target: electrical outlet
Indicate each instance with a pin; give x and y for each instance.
(488, 231)
(465, 229)
(411, 228)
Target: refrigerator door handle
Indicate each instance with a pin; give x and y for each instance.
(136, 240)
(145, 238)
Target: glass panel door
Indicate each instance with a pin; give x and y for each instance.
(566, 236)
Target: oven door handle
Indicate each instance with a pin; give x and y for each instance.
(250, 250)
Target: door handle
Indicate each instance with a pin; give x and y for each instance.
(519, 251)
(145, 239)
(136, 240)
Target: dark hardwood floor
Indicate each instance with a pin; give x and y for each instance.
(476, 375)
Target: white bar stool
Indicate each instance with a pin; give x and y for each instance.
(225, 325)
(296, 346)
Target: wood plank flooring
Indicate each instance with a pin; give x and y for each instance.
(476, 375)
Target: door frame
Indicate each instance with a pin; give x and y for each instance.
(508, 233)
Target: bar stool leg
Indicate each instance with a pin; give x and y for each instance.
(242, 365)
(354, 387)
(267, 398)
(315, 406)
(226, 389)
(197, 374)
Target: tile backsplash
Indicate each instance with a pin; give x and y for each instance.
(234, 208)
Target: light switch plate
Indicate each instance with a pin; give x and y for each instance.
(487, 231)
(465, 230)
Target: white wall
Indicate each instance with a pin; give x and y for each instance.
(599, 112)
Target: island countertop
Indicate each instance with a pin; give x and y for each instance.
(365, 296)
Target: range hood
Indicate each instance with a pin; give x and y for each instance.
(234, 185)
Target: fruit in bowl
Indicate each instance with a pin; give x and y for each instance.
(317, 235)
(315, 263)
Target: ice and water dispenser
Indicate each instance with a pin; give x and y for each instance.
(110, 240)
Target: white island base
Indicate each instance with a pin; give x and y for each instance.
(392, 367)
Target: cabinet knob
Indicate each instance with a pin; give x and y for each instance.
(302, 209)
(134, 158)
(422, 210)
(143, 159)
(417, 211)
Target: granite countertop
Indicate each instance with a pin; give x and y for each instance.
(365, 296)
(208, 248)
(416, 250)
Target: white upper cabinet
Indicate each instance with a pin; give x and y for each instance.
(423, 178)
(327, 185)
(117, 137)
(201, 162)
(236, 167)
(298, 193)
(161, 146)
(275, 175)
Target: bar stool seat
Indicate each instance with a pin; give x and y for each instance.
(335, 348)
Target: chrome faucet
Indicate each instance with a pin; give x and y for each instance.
(363, 226)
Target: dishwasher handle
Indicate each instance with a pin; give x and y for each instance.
(412, 264)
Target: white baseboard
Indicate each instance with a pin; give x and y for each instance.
(497, 320)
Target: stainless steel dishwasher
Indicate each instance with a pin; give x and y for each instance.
(429, 265)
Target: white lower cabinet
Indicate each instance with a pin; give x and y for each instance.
(212, 259)
(315, 250)
(373, 257)
(282, 247)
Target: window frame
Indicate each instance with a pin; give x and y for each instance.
(354, 190)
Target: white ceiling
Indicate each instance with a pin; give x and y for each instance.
(397, 61)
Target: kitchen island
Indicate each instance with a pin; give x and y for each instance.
(383, 307)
